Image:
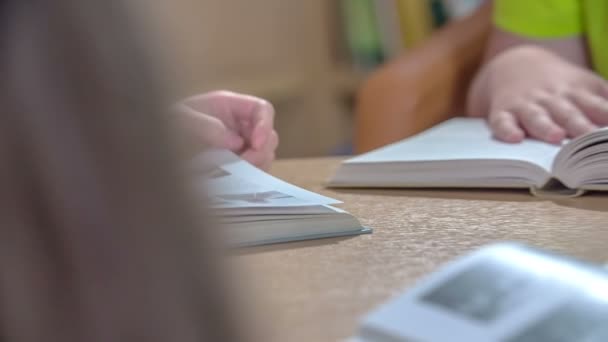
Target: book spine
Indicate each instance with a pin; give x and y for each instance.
(362, 33)
(416, 21)
(555, 189)
(440, 15)
(456, 9)
(389, 25)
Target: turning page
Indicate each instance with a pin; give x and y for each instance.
(234, 183)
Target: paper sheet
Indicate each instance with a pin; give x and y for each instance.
(462, 139)
(234, 183)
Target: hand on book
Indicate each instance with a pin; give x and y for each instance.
(240, 123)
(528, 91)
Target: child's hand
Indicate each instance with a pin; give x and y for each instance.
(528, 91)
(240, 123)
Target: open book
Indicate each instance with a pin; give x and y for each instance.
(256, 208)
(462, 153)
(501, 293)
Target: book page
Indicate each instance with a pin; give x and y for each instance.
(583, 161)
(461, 139)
(234, 183)
(505, 292)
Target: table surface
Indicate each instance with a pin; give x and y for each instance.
(318, 290)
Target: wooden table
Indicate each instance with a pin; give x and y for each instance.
(318, 290)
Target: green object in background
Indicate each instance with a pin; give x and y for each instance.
(439, 13)
(362, 32)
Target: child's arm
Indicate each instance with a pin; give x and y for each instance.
(537, 86)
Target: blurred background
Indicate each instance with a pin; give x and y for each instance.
(307, 57)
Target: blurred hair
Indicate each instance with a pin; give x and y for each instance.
(98, 241)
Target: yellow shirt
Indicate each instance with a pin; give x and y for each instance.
(559, 19)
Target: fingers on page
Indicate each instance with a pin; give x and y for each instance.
(538, 123)
(569, 116)
(505, 127)
(212, 131)
(263, 157)
(263, 116)
(271, 143)
(255, 115)
(593, 105)
(254, 157)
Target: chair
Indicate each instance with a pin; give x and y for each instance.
(424, 86)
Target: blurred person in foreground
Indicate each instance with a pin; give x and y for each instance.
(545, 70)
(99, 238)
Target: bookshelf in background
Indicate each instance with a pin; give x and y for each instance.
(307, 57)
(377, 31)
(380, 30)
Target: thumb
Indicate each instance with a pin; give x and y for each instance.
(218, 135)
(211, 131)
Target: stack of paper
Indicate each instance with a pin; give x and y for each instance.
(258, 208)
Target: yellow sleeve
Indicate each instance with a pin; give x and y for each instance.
(539, 18)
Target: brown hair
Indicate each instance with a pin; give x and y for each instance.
(98, 241)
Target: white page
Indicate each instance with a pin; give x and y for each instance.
(461, 139)
(234, 183)
(329, 212)
(259, 211)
